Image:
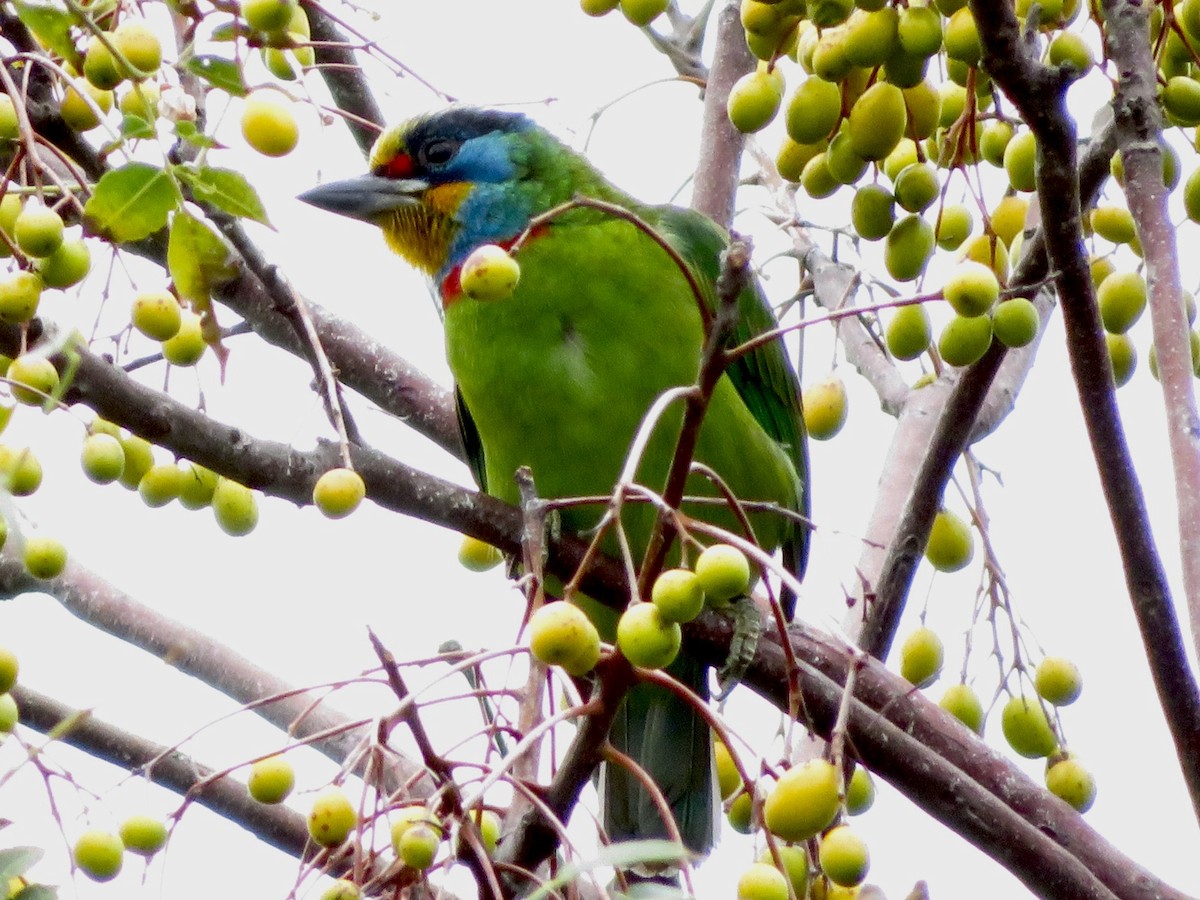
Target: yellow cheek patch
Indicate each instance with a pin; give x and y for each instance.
(421, 235)
(446, 198)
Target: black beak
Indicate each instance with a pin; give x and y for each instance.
(367, 197)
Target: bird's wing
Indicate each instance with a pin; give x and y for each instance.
(764, 378)
(472, 443)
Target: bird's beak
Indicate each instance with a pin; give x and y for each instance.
(367, 197)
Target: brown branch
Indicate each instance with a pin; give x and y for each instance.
(1038, 93)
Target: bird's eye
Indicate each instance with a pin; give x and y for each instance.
(438, 153)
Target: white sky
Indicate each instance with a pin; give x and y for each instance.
(296, 595)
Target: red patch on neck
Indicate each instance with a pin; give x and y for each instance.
(399, 166)
(451, 286)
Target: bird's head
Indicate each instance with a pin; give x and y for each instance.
(442, 184)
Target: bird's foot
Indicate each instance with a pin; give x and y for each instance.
(746, 628)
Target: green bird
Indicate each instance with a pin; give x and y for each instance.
(559, 375)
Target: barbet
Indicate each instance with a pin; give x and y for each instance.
(559, 375)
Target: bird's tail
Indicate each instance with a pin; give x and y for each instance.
(667, 737)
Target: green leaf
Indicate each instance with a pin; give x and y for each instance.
(16, 861)
(225, 189)
(197, 258)
(131, 202)
(187, 131)
(133, 127)
(52, 26)
(621, 856)
(220, 73)
(37, 892)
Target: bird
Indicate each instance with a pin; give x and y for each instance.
(558, 376)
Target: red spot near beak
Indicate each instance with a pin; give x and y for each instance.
(399, 166)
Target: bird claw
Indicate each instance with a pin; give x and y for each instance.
(747, 626)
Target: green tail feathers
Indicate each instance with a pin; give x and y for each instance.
(665, 735)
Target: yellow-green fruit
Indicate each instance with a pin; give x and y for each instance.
(342, 889)
(678, 595)
(22, 471)
(160, 485)
(919, 30)
(143, 835)
(1058, 681)
(10, 714)
(871, 37)
(908, 332)
(1015, 322)
(1170, 163)
(905, 71)
(489, 273)
(829, 60)
(803, 802)
(10, 668)
(33, 379)
(141, 101)
(845, 165)
(877, 121)
(561, 634)
(971, 289)
(643, 12)
(792, 158)
(197, 485)
(816, 178)
(872, 212)
(1026, 728)
(20, 293)
(728, 779)
(1191, 196)
(921, 657)
(157, 315)
(795, 866)
(100, 66)
(1188, 16)
(271, 780)
(268, 15)
(331, 818)
(1070, 781)
(1122, 299)
(961, 701)
(899, 159)
(950, 546)
(843, 856)
(186, 347)
(827, 13)
(338, 492)
(860, 792)
(1020, 161)
(908, 247)
(962, 38)
(76, 112)
(916, 187)
(66, 266)
(488, 824)
(924, 104)
(723, 572)
(38, 230)
(45, 557)
(269, 126)
(993, 140)
(234, 507)
(9, 123)
(952, 226)
(598, 7)
(1008, 217)
(418, 846)
(1100, 267)
(1122, 354)
(755, 98)
(953, 103)
(139, 45)
(139, 457)
(826, 407)
(407, 817)
(646, 638)
(1114, 223)
(1181, 100)
(475, 555)
(989, 250)
(99, 855)
(814, 110)
(762, 881)
(740, 814)
(1069, 49)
